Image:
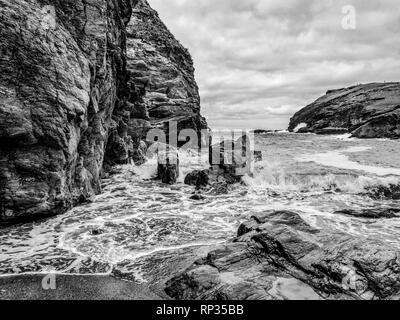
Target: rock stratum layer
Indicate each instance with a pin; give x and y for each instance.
(367, 111)
(76, 96)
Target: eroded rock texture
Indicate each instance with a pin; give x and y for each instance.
(367, 111)
(69, 106)
(162, 75)
(281, 245)
(61, 65)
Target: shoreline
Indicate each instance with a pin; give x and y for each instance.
(73, 287)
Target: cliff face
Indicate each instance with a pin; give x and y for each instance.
(160, 87)
(367, 111)
(162, 72)
(67, 99)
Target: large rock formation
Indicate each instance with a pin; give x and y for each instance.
(69, 106)
(279, 246)
(367, 111)
(162, 75)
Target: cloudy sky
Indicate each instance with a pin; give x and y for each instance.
(259, 61)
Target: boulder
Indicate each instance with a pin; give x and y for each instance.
(198, 178)
(163, 73)
(168, 167)
(233, 158)
(258, 156)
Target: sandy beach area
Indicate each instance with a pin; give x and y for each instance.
(72, 287)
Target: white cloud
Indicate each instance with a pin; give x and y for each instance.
(265, 59)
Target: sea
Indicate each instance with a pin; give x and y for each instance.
(143, 231)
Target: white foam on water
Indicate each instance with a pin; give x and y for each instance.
(339, 159)
(138, 218)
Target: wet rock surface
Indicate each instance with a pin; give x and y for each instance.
(373, 213)
(61, 66)
(281, 245)
(162, 83)
(168, 167)
(82, 82)
(366, 110)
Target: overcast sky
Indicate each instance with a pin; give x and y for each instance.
(259, 61)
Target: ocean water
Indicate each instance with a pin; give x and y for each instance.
(144, 231)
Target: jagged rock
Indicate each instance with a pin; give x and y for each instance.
(168, 167)
(280, 244)
(198, 178)
(139, 153)
(162, 72)
(60, 66)
(367, 111)
(232, 157)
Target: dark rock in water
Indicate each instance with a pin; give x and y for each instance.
(280, 244)
(367, 111)
(197, 197)
(303, 130)
(168, 167)
(375, 213)
(258, 156)
(232, 158)
(198, 178)
(391, 191)
(96, 232)
(139, 154)
(329, 131)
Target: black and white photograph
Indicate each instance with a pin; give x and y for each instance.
(199, 150)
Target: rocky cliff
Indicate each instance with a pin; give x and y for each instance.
(76, 96)
(367, 111)
(161, 85)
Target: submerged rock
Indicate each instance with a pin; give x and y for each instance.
(367, 111)
(197, 197)
(374, 213)
(168, 167)
(280, 244)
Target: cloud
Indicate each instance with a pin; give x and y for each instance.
(265, 59)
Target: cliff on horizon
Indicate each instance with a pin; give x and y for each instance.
(366, 111)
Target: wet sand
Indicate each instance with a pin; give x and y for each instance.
(72, 287)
